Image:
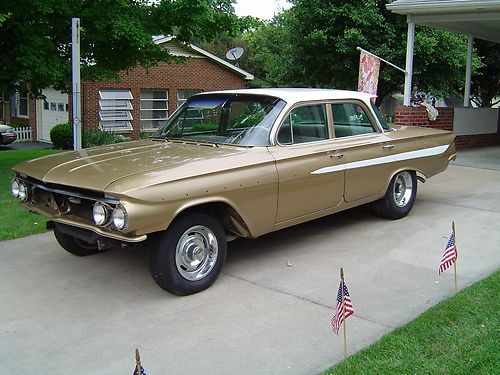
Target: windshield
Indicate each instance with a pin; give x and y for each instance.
(380, 118)
(224, 118)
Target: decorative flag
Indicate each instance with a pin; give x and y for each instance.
(344, 308)
(142, 371)
(450, 254)
(138, 364)
(369, 67)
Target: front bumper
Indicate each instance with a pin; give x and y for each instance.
(78, 222)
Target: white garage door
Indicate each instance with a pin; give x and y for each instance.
(54, 111)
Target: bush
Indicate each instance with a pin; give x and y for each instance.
(61, 136)
(94, 138)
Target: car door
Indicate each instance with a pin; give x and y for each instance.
(366, 150)
(310, 168)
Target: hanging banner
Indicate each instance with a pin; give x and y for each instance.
(369, 67)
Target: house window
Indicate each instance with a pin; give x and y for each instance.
(115, 110)
(22, 101)
(154, 108)
(183, 95)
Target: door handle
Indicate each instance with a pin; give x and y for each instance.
(388, 147)
(336, 155)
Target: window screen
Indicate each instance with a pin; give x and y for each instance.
(115, 109)
(154, 109)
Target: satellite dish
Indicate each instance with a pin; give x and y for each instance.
(234, 53)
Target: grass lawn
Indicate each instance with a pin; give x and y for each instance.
(458, 336)
(15, 221)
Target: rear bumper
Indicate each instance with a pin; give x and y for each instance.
(8, 138)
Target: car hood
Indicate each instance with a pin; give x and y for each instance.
(138, 163)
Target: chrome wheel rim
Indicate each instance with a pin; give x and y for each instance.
(402, 189)
(196, 253)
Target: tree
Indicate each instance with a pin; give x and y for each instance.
(35, 36)
(323, 36)
(313, 44)
(262, 42)
(486, 78)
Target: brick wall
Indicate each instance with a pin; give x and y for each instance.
(417, 116)
(477, 140)
(196, 73)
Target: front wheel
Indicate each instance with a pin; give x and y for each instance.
(400, 196)
(188, 257)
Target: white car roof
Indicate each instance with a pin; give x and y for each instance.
(293, 95)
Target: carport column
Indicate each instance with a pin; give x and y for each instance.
(468, 71)
(409, 60)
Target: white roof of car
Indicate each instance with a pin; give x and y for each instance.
(292, 95)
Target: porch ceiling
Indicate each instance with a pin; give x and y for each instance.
(479, 19)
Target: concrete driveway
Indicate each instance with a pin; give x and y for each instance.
(63, 314)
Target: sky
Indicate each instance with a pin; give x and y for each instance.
(264, 9)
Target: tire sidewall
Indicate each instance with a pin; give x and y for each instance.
(162, 248)
(397, 211)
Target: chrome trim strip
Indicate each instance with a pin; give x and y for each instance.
(71, 193)
(431, 151)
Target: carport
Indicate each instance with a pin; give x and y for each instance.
(473, 18)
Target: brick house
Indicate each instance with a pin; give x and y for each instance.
(140, 102)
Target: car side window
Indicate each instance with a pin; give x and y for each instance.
(304, 124)
(350, 119)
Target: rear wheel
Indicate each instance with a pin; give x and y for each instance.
(74, 245)
(188, 256)
(400, 196)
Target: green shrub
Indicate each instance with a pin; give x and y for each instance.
(94, 138)
(61, 136)
(144, 135)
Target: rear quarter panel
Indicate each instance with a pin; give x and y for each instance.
(426, 151)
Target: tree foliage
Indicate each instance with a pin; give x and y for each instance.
(323, 37)
(35, 36)
(486, 78)
(313, 44)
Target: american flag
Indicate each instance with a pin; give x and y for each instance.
(450, 254)
(142, 371)
(339, 317)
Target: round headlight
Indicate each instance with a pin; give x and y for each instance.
(15, 188)
(119, 218)
(100, 213)
(23, 191)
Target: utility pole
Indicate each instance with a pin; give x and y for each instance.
(75, 82)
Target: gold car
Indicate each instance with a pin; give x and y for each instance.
(231, 164)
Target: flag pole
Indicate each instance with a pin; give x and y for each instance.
(343, 310)
(138, 361)
(456, 250)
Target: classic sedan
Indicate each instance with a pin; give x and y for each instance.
(231, 164)
(7, 135)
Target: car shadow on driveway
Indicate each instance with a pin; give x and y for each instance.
(132, 261)
(280, 240)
